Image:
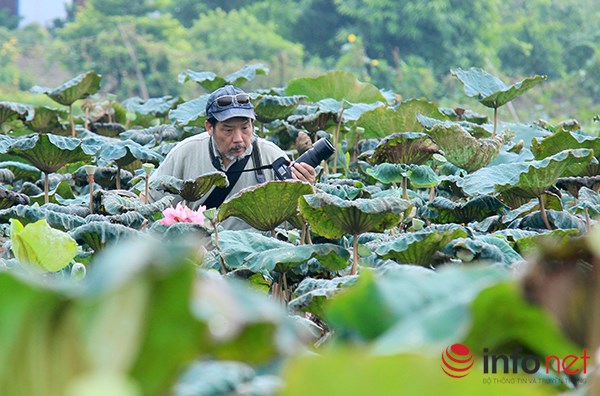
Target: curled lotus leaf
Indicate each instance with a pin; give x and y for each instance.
(49, 152)
(124, 152)
(98, 234)
(588, 200)
(311, 294)
(563, 140)
(12, 110)
(10, 198)
(62, 190)
(464, 150)
(6, 176)
(442, 210)
(563, 220)
(574, 184)
(338, 85)
(105, 176)
(158, 107)
(422, 176)
(79, 87)
(266, 205)
(29, 214)
(389, 173)
(130, 219)
(211, 81)
(526, 178)
(381, 122)
(190, 113)
(190, 190)
(489, 89)
(46, 119)
(114, 204)
(270, 108)
(404, 148)
(418, 247)
(158, 134)
(111, 129)
(333, 257)
(486, 248)
(333, 217)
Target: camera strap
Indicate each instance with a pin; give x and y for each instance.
(218, 195)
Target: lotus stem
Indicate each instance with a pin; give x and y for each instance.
(87, 118)
(91, 182)
(146, 189)
(285, 288)
(587, 220)
(405, 187)
(336, 137)
(304, 232)
(273, 235)
(221, 260)
(308, 237)
(118, 177)
(495, 122)
(71, 121)
(354, 255)
(543, 212)
(431, 193)
(46, 188)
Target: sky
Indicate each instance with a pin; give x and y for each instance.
(41, 11)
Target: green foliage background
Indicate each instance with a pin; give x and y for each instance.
(407, 47)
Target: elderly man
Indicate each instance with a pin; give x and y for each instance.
(228, 145)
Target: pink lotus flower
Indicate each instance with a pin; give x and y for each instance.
(182, 214)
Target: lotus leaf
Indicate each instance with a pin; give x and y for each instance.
(98, 234)
(338, 85)
(237, 245)
(190, 113)
(11, 110)
(79, 87)
(62, 190)
(269, 108)
(10, 198)
(112, 129)
(533, 241)
(443, 210)
(190, 190)
(341, 190)
(381, 122)
(158, 134)
(532, 178)
(333, 257)
(562, 220)
(333, 217)
(404, 148)
(210, 81)
(574, 184)
(266, 205)
(418, 247)
(6, 176)
(214, 377)
(422, 176)
(590, 200)
(563, 140)
(158, 107)
(492, 249)
(28, 214)
(389, 173)
(489, 89)
(105, 176)
(124, 152)
(47, 119)
(464, 150)
(311, 294)
(130, 219)
(49, 152)
(115, 204)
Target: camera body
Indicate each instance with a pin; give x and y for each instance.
(321, 150)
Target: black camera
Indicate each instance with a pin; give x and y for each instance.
(321, 150)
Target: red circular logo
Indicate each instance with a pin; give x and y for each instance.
(457, 360)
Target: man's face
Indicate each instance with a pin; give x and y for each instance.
(232, 137)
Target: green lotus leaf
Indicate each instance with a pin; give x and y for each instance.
(444, 211)
(115, 204)
(314, 118)
(245, 74)
(340, 190)
(28, 214)
(563, 140)
(333, 217)
(237, 245)
(590, 200)
(157, 134)
(62, 190)
(190, 190)
(111, 129)
(49, 152)
(418, 247)
(537, 175)
(105, 176)
(488, 248)
(266, 205)
(388, 173)
(489, 89)
(550, 201)
(381, 122)
(210, 81)
(47, 119)
(574, 184)
(527, 245)
(332, 257)
(157, 107)
(11, 110)
(311, 295)
(190, 113)
(131, 219)
(556, 219)
(269, 108)
(5, 143)
(404, 148)
(98, 234)
(464, 150)
(124, 152)
(6, 176)
(79, 87)
(10, 198)
(30, 245)
(338, 85)
(422, 176)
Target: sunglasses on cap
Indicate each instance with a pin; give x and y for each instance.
(242, 99)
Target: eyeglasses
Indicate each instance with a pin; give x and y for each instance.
(241, 99)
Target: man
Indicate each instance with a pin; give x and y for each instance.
(229, 144)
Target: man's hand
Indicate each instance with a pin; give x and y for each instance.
(304, 172)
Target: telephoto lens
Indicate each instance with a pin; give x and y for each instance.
(321, 150)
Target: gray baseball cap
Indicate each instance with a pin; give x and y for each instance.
(228, 102)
